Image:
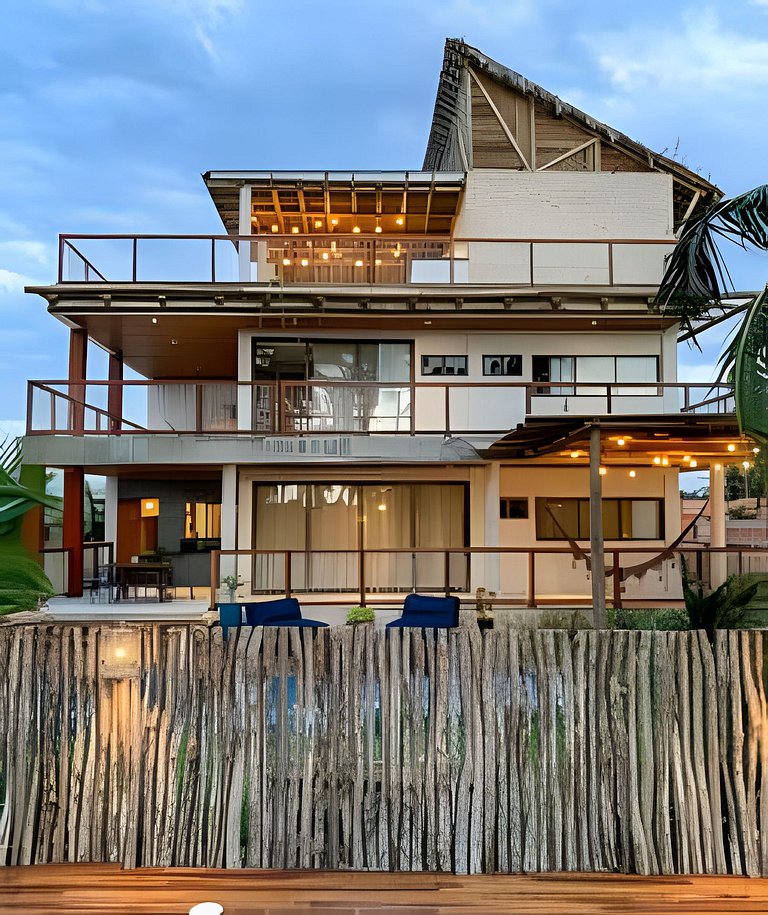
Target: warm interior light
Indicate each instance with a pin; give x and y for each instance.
(731, 447)
(575, 454)
(694, 464)
(150, 508)
(356, 230)
(275, 227)
(286, 262)
(334, 222)
(399, 221)
(602, 471)
(755, 451)
(377, 230)
(358, 263)
(318, 223)
(665, 462)
(120, 653)
(632, 473)
(686, 458)
(324, 255)
(427, 322)
(657, 460)
(304, 262)
(718, 466)
(381, 507)
(295, 230)
(396, 253)
(154, 320)
(377, 262)
(746, 465)
(620, 441)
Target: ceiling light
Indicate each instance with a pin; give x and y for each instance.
(594, 324)
(399, 221)
(154, 320)
(318, 223)
(575, 454)
(275, 227)
(356, 230)
(358, 263)
(665, 462)
(324, 255)
(602, 471)
(686, 458)
(334, 222)
(620, 441)
(731, 447)
(657, 460)
(295, 230)
(632, 473)
(694, 464)
(286, 262)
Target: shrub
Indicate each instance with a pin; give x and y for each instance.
(724, 608)
(742, 513)
(663, 619)
(360, 615)
(23, 584)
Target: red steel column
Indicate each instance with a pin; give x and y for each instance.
(115, 394)
(74, 522)
(78, 358)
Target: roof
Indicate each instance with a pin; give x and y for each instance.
(449, 145)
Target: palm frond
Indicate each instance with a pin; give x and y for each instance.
(696, 278)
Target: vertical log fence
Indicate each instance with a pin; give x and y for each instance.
(503, 751)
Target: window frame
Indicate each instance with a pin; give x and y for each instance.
(582, 512)
(569, 387)
(443, 373)
(502, 356)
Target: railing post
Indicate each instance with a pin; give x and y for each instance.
(61, 258)
(447, 409)
(531, 579)
(447, 570)
(287, 572)
(213, 258)
(134, 272)
(198, 408)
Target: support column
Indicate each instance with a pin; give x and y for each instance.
(229, 565)
(718, 562)
(244, 227)
(78, 361)
(596, 542)
(115, 393)
(492, 491)
(73, 523)
(110, 510)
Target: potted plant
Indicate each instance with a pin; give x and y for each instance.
(357, 615)
(231, 583)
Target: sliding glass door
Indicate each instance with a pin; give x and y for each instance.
(327, 524)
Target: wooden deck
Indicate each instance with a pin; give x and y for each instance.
(108, 889)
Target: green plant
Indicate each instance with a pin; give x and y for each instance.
(661, 619)
(741, 513)
(231, 583)
(360, 615)
(724, 608)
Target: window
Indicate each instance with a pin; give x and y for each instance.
(623, 519)
(513, 508)
(443, 365)
(592, 371)
(202, 520)
(502, 365)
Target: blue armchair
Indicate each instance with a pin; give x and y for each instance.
(230, 616)
(283, 612)
(426, 612)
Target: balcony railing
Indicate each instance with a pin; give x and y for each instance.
(171, 407)
(286, 260)
(526, 576)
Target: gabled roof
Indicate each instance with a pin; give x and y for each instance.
(468, 74)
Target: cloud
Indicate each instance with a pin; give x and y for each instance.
(28, 250)
(456, 15)
(700, 55)
(12, 282)
(12, 427)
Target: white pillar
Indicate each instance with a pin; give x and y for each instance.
(229, 507)
(110, 511)
(718, 561)
(244, 228)
(597, 544)
(477, 526)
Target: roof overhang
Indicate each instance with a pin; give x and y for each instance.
(336, 201)
(630, 441)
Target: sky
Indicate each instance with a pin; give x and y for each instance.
(110, 111)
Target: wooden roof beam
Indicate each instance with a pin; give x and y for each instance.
(502, 123)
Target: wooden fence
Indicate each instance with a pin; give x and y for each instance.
(405, 750)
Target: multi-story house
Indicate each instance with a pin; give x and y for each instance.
(365, 374)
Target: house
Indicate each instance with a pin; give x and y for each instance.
(365, 374)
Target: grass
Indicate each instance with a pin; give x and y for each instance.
(23, 584)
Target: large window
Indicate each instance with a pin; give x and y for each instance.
(623, 519)
(310, 518)
(593, 371)
(332, 360)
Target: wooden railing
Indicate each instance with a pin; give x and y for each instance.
(343, 259)
(324, 576)
(520, 750)
(454, 407)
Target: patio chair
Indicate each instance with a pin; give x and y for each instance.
(230, 616)
(424, 612)
(283, 612)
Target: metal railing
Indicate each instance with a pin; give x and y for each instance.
(57, 560)
(385, 574)
(342, 259)
(344, 407)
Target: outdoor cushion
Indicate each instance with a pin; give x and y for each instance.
(423, 611)
(283, 612)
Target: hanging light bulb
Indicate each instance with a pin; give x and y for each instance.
(632, 473)
(694, 464)
(657, 460)
(731, 447)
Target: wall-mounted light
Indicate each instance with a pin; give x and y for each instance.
(665, 462)
(657, 460)
(693, 463)
(399, 221)
(334, 222)
(575, 454)
(632, 474)
(731, 447)
(686, 458)
(358, 263)
(119, 653)
(325, 255)
(602, 471)
(154, 320)
(621, 442)
(356, 230)
(174, 342)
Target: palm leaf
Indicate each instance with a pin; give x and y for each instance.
(696, 278)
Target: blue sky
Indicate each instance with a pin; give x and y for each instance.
(111, 110)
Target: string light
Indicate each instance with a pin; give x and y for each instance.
(657, 460)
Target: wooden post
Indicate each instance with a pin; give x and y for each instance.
(115, 393)
(718, 568)
(78, 360)
(596, 528)
(72, 532)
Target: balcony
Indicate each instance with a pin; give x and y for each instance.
(360, 259)
(300, 408)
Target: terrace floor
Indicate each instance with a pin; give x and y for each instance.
(108, 889)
